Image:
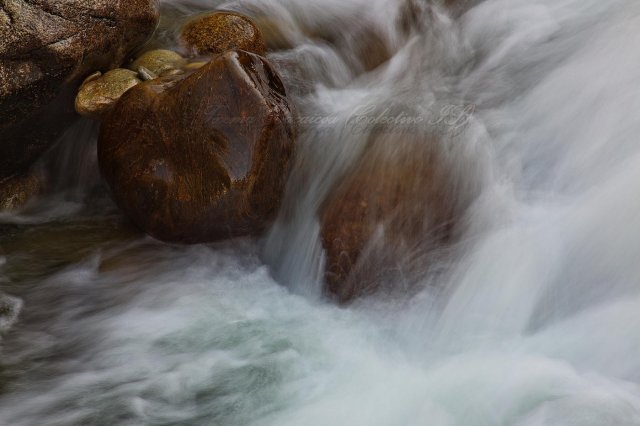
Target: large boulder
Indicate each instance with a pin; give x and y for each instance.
(201, 156)
(385, 221)
(46, 48)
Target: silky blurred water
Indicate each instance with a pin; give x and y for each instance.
(532, 318)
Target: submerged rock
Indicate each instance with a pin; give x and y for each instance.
(364, 47)
(460, 6)
(46, 49)
(10, 308)
(220, 32)
(418, 16)
(99, 93)
(277, 34)
(37, 251)
(15, 192)
(387, 218)
(202, 156)
(369, 47)
(415, 16)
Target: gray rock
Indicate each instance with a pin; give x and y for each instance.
(47, 47)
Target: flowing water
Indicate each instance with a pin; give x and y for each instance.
(532, 318)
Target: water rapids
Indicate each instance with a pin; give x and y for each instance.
(531, 319)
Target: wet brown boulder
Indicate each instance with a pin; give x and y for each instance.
(222, 31)
(385, 221)
(202, 156)
(47, 48)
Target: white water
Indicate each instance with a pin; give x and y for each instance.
(536, 320)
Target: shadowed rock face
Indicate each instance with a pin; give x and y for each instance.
(203, 156)
(220, 32)
(16, 191)
(387, 218)
(46, 48)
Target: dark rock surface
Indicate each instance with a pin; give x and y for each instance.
(387, 217)
(47, 48)
(202, 156)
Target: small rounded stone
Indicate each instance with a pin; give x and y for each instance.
(158, 61)
(220, 32)
(99, 93)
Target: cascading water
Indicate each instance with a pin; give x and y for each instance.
(532, 318)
